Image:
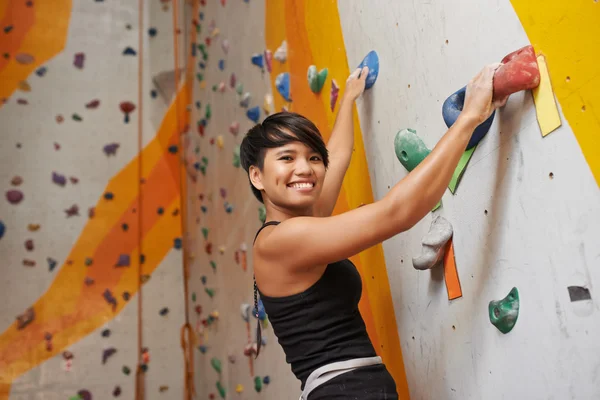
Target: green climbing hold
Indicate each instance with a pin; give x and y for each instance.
(203, 169)
(504, 313)
(205, 159)
(194, 297)
(126, 370)
(216, 364)
(316, 79)
(221, 389)
(205, 233)
(410, 149)
(200, 77)
(262, 213)
(239, 88)
(77, 118)
(236, 157)
(210, 292)
(213, 265)
(257, 384)
(214, 88)
(88, 261)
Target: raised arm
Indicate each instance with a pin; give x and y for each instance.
(341, 143)
(305, 242)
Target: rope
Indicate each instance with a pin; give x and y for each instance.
(139, 381)
(187, 334)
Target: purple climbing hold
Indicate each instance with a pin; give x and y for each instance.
(59, 179)
(85, 394)
(14, 196)
(223, 192)
(107, 353)
(41, 71)
(110, 299)
(123, 260)
(79, 60)
(106, 333)
(111, 149)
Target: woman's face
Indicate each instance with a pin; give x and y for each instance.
(292, 177)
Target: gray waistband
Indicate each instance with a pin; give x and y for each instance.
(322, 374)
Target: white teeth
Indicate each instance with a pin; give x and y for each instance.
(302, 185)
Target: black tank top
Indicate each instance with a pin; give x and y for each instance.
(322, 324)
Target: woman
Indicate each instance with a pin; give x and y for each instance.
(309, 288)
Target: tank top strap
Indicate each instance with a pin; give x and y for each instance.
(264, 226)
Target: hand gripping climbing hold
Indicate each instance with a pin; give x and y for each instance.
(519, 71)
(434, 244)
(316, 79)
(410, 149)
(371, 60)
(452, 108)
(504, 313)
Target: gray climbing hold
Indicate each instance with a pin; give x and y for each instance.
(434, 244)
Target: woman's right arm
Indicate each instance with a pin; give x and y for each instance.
(304, 242)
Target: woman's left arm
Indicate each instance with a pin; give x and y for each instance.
(341, 144)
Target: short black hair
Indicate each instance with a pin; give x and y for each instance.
(269, 134)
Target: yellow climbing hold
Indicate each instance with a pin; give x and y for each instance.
(239, 388)
(24, 86)
(545, 104)
(220, 142)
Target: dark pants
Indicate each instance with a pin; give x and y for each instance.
(366, 383)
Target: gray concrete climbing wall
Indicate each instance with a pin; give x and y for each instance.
(526, 213)
(61, 107)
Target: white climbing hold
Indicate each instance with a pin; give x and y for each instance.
(434, 244)
(281, 52)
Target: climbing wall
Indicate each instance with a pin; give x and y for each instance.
(526, 213)
(523, 205)
(90, 202)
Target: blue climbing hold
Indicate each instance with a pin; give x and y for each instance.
(142, 258)
(2, 229)
(173, 149)
(198, 105)
(282, 82)
(254, 113)
(221, 65)
(108, 196)
(452, 108)
(153, 93)
(202, 349)
(152, 32)
(129, 52)
(201, 16)
(201, 65)
(178, 243)
(41, 71)
(203, 122)
(204, 209)
(257, 60)
(51, 264)
(262, 314)
(266, 380)
(371, 60)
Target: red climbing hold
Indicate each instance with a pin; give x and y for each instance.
(93, 104)
(127, 107)
(29, 245)
(14, 196)
(72, 211)
(519, 72)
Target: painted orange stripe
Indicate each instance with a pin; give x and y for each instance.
(451, 274)
(69, 309)
(40, 30)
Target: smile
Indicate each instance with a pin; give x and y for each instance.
(302, 186)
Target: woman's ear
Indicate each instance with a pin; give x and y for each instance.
(255, 177)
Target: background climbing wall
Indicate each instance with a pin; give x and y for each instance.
(526, 213)
(66, 69)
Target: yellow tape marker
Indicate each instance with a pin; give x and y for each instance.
(545, 104)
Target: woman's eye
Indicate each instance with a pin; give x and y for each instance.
(286, 158)
(315, 158)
